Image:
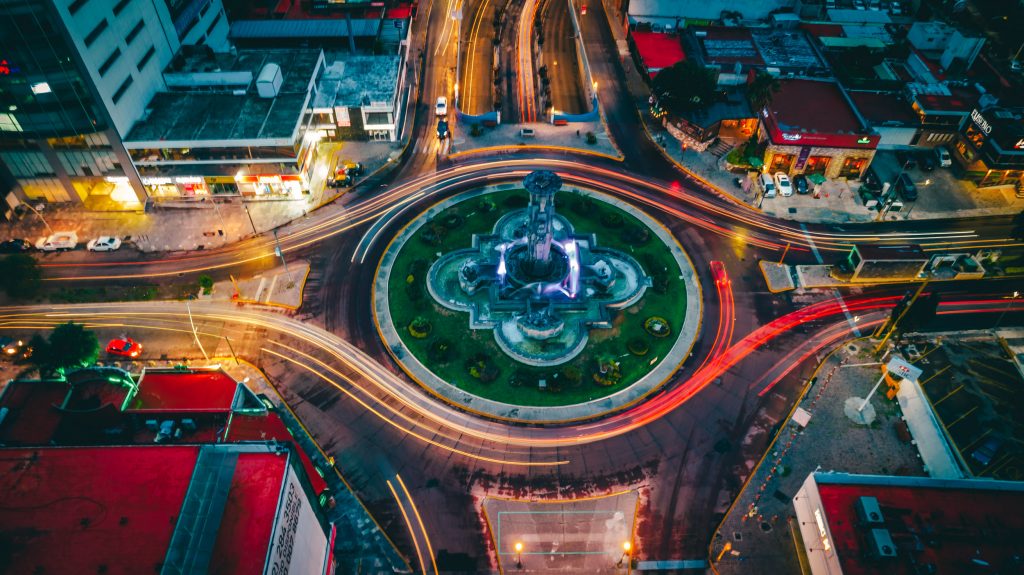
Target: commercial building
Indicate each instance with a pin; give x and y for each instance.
(671, 15)
(229, 124)
(989, 149)
(869, 524)
(74, 77)
(826, 138)
(361, 98)
(185, 471)
(655, 51)
(781, 50)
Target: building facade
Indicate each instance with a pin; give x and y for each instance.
(75, 75)
(989, 149)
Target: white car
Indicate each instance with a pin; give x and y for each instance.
(943, 157)
(103, 244)
(58, 241)
(441, 109)
(783, 184)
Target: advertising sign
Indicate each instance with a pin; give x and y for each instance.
(299, 544)
(801, 159)
(903, 369)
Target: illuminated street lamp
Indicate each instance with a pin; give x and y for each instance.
(1009, 301)
(626, 547)
(519, 555)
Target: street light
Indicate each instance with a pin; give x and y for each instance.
(626, 546)
(1009, 301)
(40, 216)
(519, 555)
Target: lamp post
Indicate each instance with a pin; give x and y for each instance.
(519, 555)
(626, 547)
(1009, 301)
(40, 216)
(251, 223)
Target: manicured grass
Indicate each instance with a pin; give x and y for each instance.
(614, 228)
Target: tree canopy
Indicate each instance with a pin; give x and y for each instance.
(70, 346)
(686, 87)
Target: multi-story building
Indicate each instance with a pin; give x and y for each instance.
(75, 76)
(989, 149)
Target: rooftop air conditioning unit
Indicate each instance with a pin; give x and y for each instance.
(869, 512)
(880, 545)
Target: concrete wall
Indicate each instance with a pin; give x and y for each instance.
(703, 9)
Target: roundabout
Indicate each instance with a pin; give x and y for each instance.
(497, 303)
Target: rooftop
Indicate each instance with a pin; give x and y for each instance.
(883, 108)
(190, 118)
(719, 45)
(358, 81)
(191, 391)
(830, 113)
(658, 51)
(295, 10)
(953, 526)
(333, 28)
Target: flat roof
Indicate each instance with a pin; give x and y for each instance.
(884, 107)
(297, 10)
(33, 418)
(958, 101)
(92, 509)
(336, 28)
(209, 391)
(823, 30)
(903, 252)
(190, 118)
(785, 48)
(115, 509)
(949, 524)
(356, 81)
(830, 112)
(658, 50)
(721, 45)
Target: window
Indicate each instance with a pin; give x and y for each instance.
(146, 57)
(135, 32)
(124, 87)
(96, 32)
(76, 6)
(119, 7)
(110, 61)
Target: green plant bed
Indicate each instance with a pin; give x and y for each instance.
(514, 382)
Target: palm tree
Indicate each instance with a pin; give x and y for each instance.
(761, 89)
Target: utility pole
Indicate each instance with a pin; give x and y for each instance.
(40, 216)
(888, 333)
(277, 250)
(251, 223)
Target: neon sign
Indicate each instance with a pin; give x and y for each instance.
(981, 122)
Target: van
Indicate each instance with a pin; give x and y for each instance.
(906, 188)
(768, 185)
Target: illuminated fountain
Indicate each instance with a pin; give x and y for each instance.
(540, 286)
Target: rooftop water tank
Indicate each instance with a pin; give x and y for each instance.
(268, 84)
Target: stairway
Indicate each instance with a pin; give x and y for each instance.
(720, 148)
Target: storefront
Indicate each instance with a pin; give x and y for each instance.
(267, 185)
(989, 149)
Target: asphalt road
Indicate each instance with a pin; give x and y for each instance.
(682, 446)
(558, 55)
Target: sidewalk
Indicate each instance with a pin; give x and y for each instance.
(757, 529)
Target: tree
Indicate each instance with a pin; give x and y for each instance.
(70, 346)
(686, 87)
(20, 275)
(761, 89)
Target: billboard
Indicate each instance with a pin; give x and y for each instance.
(299, 544)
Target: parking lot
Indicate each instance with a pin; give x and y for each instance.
(939, 195)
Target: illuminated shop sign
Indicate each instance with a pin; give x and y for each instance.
(981, 122)
(156, 181)
(189, 180)
(821, 529)
(791, 137)
(864, 140)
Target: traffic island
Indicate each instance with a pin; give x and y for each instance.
(469, 307)
(277, 287)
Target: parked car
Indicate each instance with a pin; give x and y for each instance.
(441, 109)
(905, 188)
(349, 168)
(928, 161)
(768, 186)
(15, 246)
(124, 347)
(943, 157)
(103, 244)
(782, 182)
(442, 129)
(14, 349)
(906, 159)
(800, 183)
(718, 272)
(59, 241)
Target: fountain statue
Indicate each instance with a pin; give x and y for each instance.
(539, 285)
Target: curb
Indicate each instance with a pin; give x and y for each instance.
(302, 293)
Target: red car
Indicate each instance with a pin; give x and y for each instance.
(126, 347)
(718, 271)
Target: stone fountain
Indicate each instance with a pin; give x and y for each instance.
(535, 282)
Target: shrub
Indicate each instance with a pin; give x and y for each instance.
(657, 326)
(206, 283)
(419, 327)
(611, 219)
(20, 275)
(638, 347)
(591, 138)
(481, 367)
(572, 375)
(636, 235)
